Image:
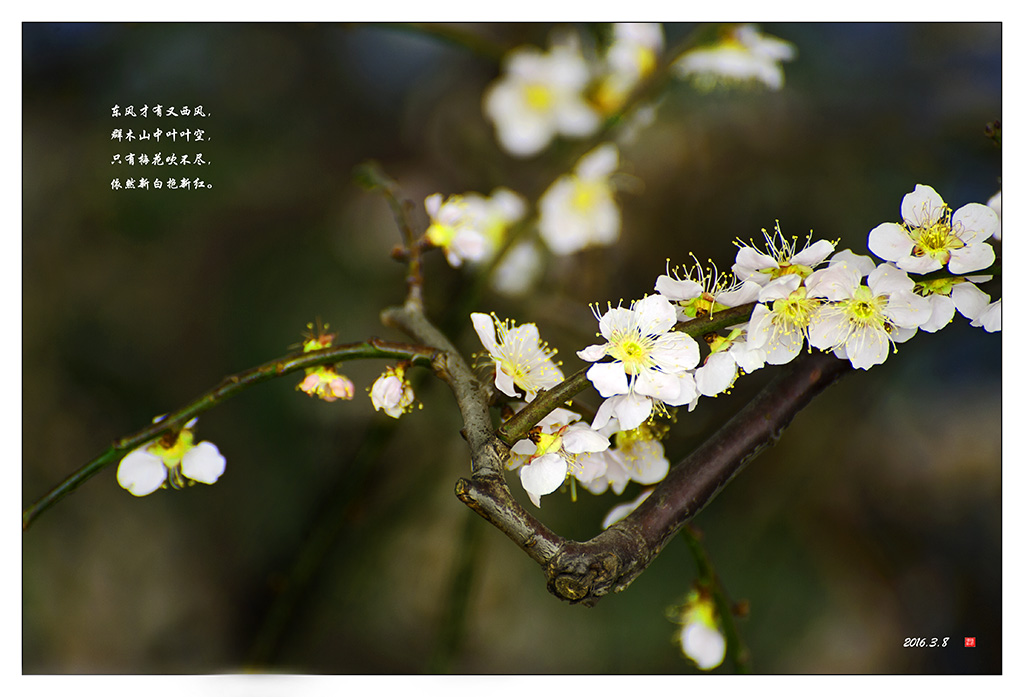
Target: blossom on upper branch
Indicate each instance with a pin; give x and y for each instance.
(931, 237)
(650, 362)
(743, 55)
(173, 459)
(699, 294)
(579, 210)
(780, 258)
(520, 357)
(541, 95)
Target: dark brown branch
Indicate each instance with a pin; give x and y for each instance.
(583, 572)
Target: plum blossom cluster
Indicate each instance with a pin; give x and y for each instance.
(797, 297)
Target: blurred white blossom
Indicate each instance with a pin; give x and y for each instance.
(579, 209)
(743, 55)
(541, 95)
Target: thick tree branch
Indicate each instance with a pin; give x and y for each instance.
(583, 572)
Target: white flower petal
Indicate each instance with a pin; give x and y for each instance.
(978, 222)
(890, 242)
(581, 438)
(141, 473)
(543, 476)
(922, 207)
(608, 378)
(969, 299)
(484, 326)
(203, 463)
(973, 257)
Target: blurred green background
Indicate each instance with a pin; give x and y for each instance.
(334, 542)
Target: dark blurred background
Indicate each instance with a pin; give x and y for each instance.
(334, 542)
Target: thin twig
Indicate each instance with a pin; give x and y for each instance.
(230, 386)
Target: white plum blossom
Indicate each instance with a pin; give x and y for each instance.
(551, 453)
(173, 460)
(743, 55)
(520, 357)
(470, 227)
(949, 295)
(455, 227)
(640, 452)
(780, 258)
(782, 319)
(541, 95)
(392, 393)
(931, 237)
(579, 210)
(862, 320)
(729, 355)
(650, 362)
(598, 472)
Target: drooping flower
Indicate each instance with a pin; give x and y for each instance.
(650, 362)
(862, 320)
(743, 55)
(931, 236)
(323, 381)
(579, 210)
(520, 357)
(700, 636)
(392, 393)
(173, 460)
(780, 258)
(541, 95)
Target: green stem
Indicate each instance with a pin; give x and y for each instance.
(229, 387)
